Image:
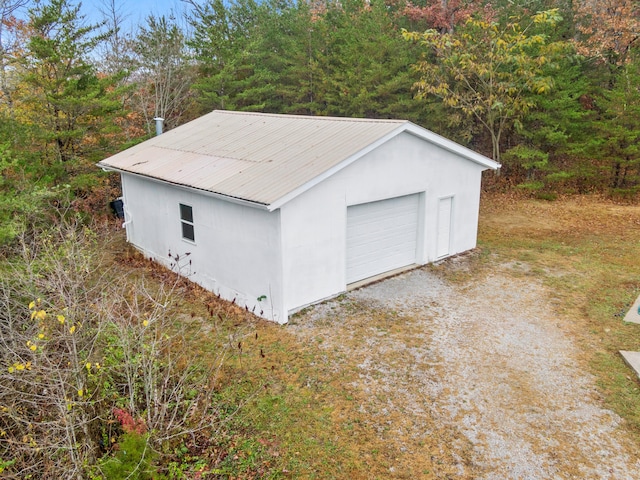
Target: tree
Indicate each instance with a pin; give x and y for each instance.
(614, 143)
(116, 54)
(609, 29)
(442, 15)
(64, 97)
(545, 152)
(487, 70)
(164, 71)
(364, 63)
(285, 57)
(7, 48)
(222, 33)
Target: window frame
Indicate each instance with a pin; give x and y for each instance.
(187, 221)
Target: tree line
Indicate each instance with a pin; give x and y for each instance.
(547, 87)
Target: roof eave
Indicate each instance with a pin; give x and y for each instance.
(409, 127)
(209, 193)
(452, 146)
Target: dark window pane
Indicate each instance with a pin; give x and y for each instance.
(188, 232)
(186, 213)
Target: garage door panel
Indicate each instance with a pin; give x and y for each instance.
(381, 236)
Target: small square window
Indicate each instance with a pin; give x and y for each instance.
(188, 231)
(186, 213)
(186, 219)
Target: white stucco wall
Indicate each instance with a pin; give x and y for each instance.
(236, 248)
(314, 223)
(296, 255)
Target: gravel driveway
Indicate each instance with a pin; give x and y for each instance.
(482, 373)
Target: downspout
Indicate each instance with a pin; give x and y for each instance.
(127, 215)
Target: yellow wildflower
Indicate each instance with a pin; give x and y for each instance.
(97, 365)
(41, 315)
(145, 323)
(32, 305)
(72, 329)
(60, 318)
(19, 366)
(11, 369)
(80, 393)
(88, 365)
(41, 336)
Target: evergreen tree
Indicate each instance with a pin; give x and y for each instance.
(64, 98)
(366, 64)
(221, 36)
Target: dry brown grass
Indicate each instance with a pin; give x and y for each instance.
(587, 250)
(584, 249)
(305, 409)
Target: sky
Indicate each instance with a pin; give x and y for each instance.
(134, 12)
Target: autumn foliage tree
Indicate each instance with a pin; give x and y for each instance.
(608, 28)
(442, 15)
(487, 70)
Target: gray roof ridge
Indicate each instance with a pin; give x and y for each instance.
(315, 117)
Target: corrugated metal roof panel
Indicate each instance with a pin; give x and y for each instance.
(254, 156)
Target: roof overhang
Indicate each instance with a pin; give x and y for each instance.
(407, 127)
(200, 162)
(201, 191)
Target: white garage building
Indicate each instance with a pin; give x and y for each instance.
(281, 211)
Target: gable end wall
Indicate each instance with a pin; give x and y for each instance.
(314, 223)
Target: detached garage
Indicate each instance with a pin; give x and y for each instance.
(280, 211)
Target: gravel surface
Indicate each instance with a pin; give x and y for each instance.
(488, 362)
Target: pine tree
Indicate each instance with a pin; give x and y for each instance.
(64, 97)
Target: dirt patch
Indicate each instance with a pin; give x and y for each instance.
(467, 379)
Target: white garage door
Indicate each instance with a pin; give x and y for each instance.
(381, 236)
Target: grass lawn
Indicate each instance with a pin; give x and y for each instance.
(296, 418)
(587, 250)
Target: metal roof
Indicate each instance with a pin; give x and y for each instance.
(263, 158)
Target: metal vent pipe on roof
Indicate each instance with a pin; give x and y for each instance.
(159, 125)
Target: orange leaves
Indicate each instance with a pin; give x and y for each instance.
(608, 27)
(443, 16)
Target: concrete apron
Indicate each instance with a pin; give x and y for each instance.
(633, 358)
(633, 315)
